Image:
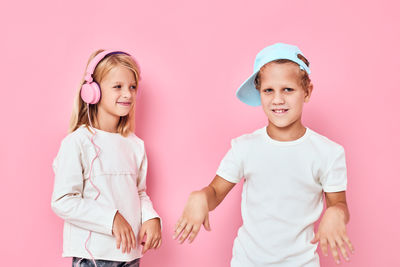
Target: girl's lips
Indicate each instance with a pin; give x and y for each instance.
(124, 103)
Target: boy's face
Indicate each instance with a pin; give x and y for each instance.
(282, 95)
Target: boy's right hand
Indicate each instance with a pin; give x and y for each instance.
(123, 233)
(194, 215)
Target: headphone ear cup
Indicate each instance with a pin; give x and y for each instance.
(90, 93)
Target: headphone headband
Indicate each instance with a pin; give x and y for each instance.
(96, 60)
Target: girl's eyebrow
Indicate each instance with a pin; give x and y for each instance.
(118, 82)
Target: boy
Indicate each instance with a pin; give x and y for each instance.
(286, 167)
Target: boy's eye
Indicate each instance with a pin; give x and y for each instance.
(268, 90)
(288, 89)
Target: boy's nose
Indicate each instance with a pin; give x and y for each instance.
(278, 99)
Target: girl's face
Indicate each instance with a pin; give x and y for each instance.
(282, 95)
(118, 93)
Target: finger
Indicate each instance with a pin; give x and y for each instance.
(342, 248)
(118, 239)
(206, 223)
(146, 245)
(348, 242)
(194, 233)
(133, 238)
(178, 223)
(334, 250)
(151, 241)
(123, 237)
(158, 244)
(315, 239)
(142, 232)
(185, 233)
(128, 242)
(179, 229)
(155, 242)
(324, 246)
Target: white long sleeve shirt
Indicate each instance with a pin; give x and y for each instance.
(119, 173)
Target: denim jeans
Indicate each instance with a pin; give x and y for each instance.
(104, 263)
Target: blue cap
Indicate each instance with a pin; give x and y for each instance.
(247, 92)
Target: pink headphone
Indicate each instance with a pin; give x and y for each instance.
(90, 91)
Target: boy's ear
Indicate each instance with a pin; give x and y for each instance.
(308, 92)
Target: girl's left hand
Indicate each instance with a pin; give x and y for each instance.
(152, 230)
(332, 232)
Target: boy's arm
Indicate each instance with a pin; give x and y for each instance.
(332, 228)
(338, 200)
(197, 207)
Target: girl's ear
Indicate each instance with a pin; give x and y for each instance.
(308, 92)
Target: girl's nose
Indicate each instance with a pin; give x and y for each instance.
(126, 93)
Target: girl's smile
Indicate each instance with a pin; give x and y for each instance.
(125, 104)
(118, 95)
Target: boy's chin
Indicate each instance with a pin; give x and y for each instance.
(280, 124)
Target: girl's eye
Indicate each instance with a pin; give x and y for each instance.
(289, 89)
(117, 86)
(133, 87)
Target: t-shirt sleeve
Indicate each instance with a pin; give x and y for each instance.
(231, 166)
(335, 178)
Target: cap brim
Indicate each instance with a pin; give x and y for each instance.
(247, 92)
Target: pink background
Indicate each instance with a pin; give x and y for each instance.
(194, 54)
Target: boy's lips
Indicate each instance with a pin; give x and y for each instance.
(280, 110)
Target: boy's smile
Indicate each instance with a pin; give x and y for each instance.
(280, 111)
(282, 95)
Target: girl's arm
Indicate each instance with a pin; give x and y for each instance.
(197, 207)
(67, 201)
(332, 228)
(148, 211)
(151, 221)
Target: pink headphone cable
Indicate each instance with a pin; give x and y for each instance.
(97, 148)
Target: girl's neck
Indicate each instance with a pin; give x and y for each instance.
(289, 133)
(106, 122)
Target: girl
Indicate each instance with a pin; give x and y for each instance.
(100, 170)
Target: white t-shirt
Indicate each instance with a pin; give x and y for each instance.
(120, 175)
(282, 195)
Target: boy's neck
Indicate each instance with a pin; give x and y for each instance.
(288, 133)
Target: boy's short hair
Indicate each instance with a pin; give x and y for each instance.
(305, 79)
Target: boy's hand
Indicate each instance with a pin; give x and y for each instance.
(152, 230)
(123, 233)
(194, 215)
(332, 232)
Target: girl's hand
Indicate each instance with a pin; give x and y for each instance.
(152, 230)
(194, 215)
(332, 232)
(123, 233)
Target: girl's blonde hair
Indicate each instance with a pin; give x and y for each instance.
(79, 115)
